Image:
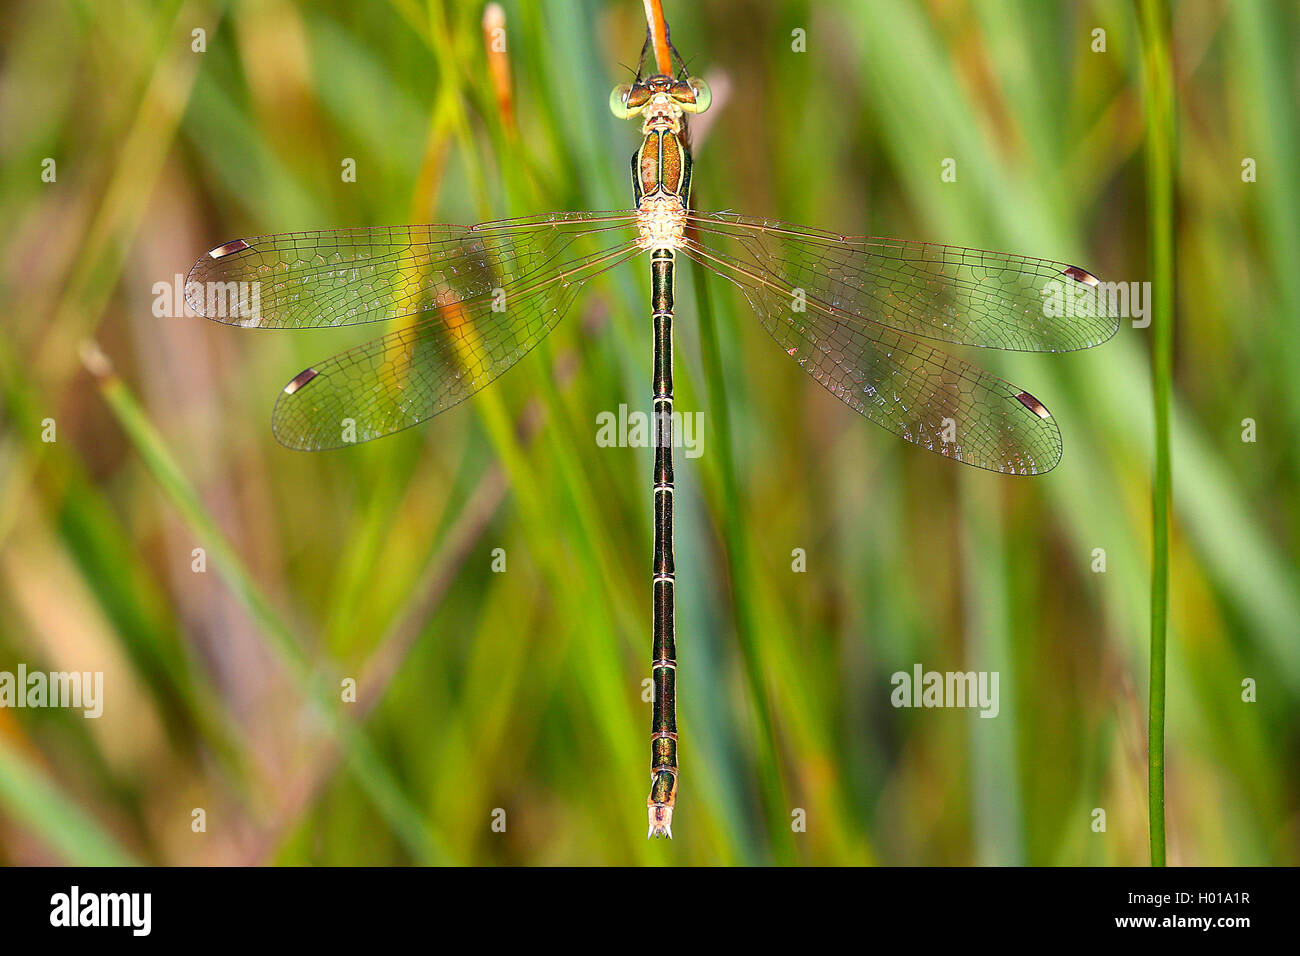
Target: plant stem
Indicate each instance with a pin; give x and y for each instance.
(657, 28)
(737, 548)
(1161, 151)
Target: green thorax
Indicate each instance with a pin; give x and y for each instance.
(662, 165)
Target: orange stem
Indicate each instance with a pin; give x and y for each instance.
(658, 26)
(494, 40)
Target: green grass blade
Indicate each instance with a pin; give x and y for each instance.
(1161, 145)
(362, 759)
(770, 775)
(33, 800)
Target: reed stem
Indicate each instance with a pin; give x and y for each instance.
(1161, 152)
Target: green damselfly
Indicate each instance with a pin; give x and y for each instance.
(471, 301)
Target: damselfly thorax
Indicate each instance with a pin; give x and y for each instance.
(661, 168)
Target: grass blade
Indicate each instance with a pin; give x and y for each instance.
(1161, 150)
(32, 799)
(362, 759)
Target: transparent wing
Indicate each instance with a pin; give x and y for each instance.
(921, 394)
(948, 293)
(433, 360)
(301, 280)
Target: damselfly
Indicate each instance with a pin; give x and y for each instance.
(469, 302)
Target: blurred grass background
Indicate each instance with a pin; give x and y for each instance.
(522, 690)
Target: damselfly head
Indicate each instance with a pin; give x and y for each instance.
(694, 95)
(630, 99)
(621, 103)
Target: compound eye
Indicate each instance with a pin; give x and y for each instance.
(703, 96)
(618, 101)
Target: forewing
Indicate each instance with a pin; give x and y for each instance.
(302, 280)
(947, 293)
